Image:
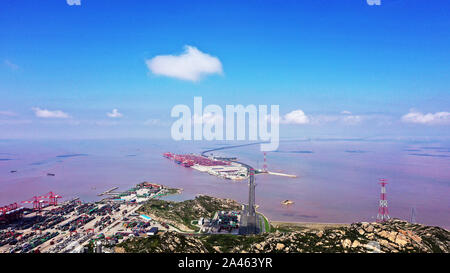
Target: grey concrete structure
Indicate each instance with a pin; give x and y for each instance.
(248, 223)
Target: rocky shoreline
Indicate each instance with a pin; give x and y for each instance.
(390, 237)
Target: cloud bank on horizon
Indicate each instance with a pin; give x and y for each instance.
(438, 118)
(295, 117)
(298, 117)
(44, 113)
(192, 65)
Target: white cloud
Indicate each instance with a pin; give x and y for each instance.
(44, 113)
(114, 114)
(429, 119)
(192, 65)
(349, 119)
(295, 117)
(11, 65)
(346, 118)
(352, 119)
(73, 2)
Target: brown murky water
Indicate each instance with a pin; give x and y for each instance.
(337, 180)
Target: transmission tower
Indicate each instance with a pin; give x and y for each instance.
(383, 213)
(412, 220)
(265, 162)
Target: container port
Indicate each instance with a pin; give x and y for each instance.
(223, 167)
(220, 167)
(74, 226)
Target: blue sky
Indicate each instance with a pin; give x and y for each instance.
(376, 63)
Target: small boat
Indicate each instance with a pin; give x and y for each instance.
(50, 174)
(287, 202)
(13, 171)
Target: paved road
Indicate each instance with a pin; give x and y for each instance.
(229, 147)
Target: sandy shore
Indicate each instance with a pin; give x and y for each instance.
(308, 225)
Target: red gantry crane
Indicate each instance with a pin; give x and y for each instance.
(37, 202)
(52, 198)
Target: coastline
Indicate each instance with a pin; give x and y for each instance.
(308, 225)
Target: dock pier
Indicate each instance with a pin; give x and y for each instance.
(108, 191)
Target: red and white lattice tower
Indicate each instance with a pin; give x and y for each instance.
(265, 162)
(383, 213)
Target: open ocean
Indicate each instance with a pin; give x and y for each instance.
(337, 179)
